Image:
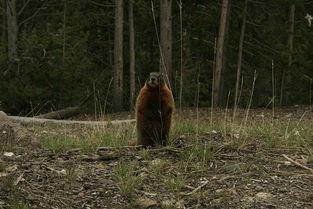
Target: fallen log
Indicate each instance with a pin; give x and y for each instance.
(60, 114)
(43, 121)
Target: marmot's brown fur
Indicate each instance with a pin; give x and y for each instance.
(154, 109)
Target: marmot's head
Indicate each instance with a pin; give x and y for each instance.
(155, 80)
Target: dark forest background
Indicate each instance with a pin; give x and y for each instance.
(65, 53)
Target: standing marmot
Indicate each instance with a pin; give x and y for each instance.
(154, 108)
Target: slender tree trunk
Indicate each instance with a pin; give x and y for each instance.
(286, 76)
(64, 32)
(290, 46)
(219, 54)
(181, 54)
(3, 35)
(132, 54)
(12, 30)
(111, 57)
(222, 97)
(282, 86)
(118, 56)
(166, 38)
(239, 62)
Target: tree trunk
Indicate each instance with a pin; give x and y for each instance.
(181, 54)
(131, 54)
(64, 32)
(219, 54)
(290, 46)
(222, 101)
(242, 36)
(118, 56)
(3, 35)
(286, 76)
(12, 30)
(166, 39)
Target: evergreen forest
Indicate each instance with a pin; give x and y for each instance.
(63, 53)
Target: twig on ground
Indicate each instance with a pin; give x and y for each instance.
(198, 188)
(173, 149)
(147, 193)
(297, 163)
(73, 150)
(189, 187)
(18, 179)
(101, 156)
(122, 147)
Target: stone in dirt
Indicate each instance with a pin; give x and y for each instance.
(264, 196)
(14, 133)
(145, 203)
(173, 204)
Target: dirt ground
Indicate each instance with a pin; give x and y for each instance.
(250, 177)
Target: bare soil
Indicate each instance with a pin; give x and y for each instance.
(253, 176)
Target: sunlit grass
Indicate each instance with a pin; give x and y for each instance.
(126, 178)
(110, 137)
(191, 127)
(287, 134)
(291, 134)
(175, 183)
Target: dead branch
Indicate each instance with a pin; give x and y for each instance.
(105, 156)
(18, 179)
(198, 188)
(297, 163)
(170, 149)
(99, 149)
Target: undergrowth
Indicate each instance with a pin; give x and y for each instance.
(271, 134)
(126, 178)
(88, 142)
